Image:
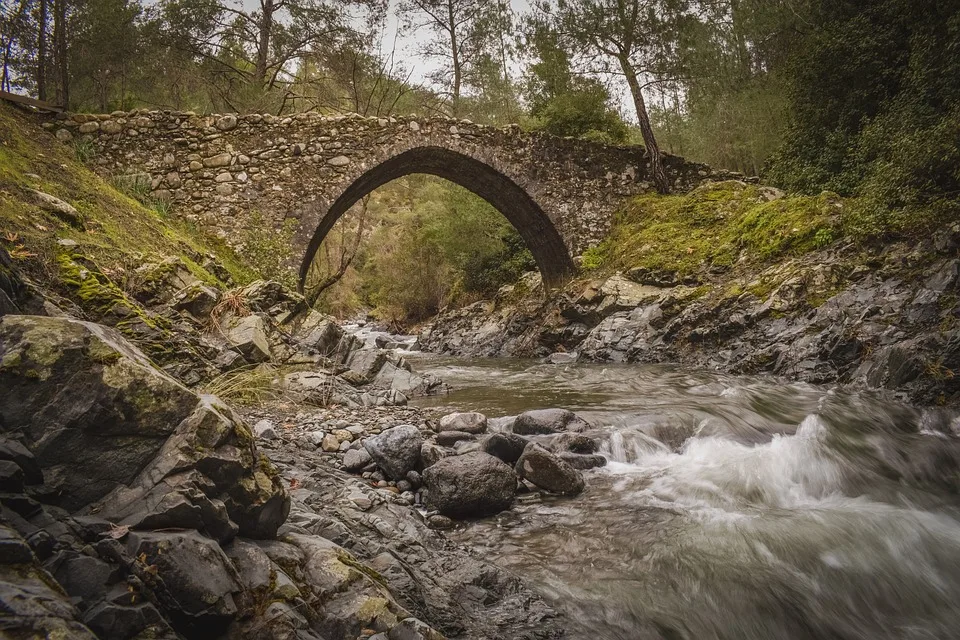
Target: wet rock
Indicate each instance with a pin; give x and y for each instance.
(354, 460)
(437, 521)
(582, 461)
(562, 358)
(93, 409)
(544, 421)
(505, 446)
(450, 438)
(197, 576)
(575, 442)
(548, 471)
(472, 484)
(396, 450)
(468, 422)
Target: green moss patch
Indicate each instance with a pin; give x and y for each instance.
(716, 225)
(121, 232)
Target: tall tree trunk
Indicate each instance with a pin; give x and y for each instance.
(649, 140)
(60, 51)
(42, 52)
(263, 41)
(455, 53)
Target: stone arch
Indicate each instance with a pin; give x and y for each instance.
(503, 193)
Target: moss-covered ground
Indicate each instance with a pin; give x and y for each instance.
(119, 232)
(714, 227)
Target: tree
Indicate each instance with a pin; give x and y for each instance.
(106, 49)
(462, 32)
(17, 34)
(627, 38)
(564, 103)
(252, 53)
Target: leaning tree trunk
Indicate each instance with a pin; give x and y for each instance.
(657, 171)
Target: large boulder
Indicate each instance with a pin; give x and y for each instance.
(92, 409)
(544, 421)
(505, 446)
(198, 583)
(405, 381)
(396, 450)
(473, 484)
(208, 472)
(548, 471)
(106, 427)
(322, 334)
(249, 336)
(467, 422)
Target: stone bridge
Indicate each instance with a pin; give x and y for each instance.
(228, 172)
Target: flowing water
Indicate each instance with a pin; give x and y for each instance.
(731, 507)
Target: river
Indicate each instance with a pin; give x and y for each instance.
(731, 507)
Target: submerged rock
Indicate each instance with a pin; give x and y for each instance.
(472, 484)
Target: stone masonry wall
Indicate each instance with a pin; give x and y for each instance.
(222, 170)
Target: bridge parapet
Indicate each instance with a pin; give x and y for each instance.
(227, 171)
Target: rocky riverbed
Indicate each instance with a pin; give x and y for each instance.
(876, 316)
(133, 506)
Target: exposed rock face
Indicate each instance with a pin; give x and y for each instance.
(543, 421)
(210, 470)
(472, 484)
(882, 317)
(248, 335)
(101, 420)
(197, 576)
(396, 450)
(548, 471)
(93, 409)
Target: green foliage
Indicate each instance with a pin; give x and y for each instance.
(84, 149)
(874, 91)
(716, 225)
(564, 103)
(434, 244)
(267, 249)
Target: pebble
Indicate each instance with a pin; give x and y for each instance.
(265, 430)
